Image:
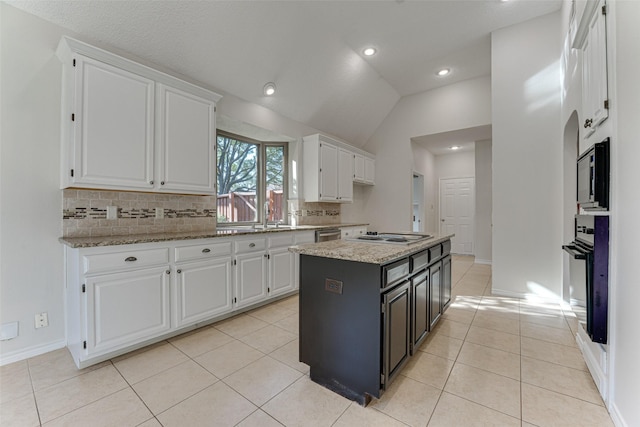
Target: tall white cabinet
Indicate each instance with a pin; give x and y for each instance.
(591, 38)
(126, 126)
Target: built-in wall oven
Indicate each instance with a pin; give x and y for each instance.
(589, 274)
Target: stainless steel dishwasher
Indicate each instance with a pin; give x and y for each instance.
(327, 234)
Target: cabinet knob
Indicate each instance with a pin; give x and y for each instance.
(587, 123)
(179, 271)
(130, 259)
(206, 250)
(151, 182)
(252, 245)
(168, 271)
(161, 182)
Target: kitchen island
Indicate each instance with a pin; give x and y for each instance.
(365, 308)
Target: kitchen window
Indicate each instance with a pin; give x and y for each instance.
(251, 180)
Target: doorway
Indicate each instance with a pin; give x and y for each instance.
(418, 203)
(457, 213)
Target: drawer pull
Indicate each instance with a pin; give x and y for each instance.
(206, 250)
(252, 245)
(130, 259)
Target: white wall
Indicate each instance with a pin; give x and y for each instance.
(31, 278)
(625, 289)
(458, 106)
(527, 153)
(31, 266)
(424, 163)
(484, 198)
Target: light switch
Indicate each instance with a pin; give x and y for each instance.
(8, 331)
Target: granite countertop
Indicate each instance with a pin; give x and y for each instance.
(90, 242)
(367, 252)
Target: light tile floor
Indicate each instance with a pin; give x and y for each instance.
(490, 361)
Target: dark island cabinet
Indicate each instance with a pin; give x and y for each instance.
(361, 322)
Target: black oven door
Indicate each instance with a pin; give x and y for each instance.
(580, 275)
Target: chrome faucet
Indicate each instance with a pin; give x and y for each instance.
(266, 213)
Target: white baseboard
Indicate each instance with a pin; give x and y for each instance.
(23, 354)
(617, 419)
(596, 358)
(483, 261)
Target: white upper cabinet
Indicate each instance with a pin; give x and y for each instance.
(112, 126)
(329, 169)
(126, 126)
(363, 169)
(186, 132)
(345, 176)
(591, 38)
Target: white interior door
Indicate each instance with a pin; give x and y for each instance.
(418, 202)
(457, 213)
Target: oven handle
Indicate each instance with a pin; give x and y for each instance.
(575, 252)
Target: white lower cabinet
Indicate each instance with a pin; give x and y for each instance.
(120, 298)
(124, 308)
(202, 291)
(251, 279)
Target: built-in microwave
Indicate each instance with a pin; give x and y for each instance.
(593, 177)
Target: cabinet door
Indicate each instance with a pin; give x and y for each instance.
(369, 170)
(435, 306)
(345, 176)
(396, 331)
(202, 291)
(594, 72)
(328, 172)
(251, 278)
(358, 167)
(420, 310)
(186, 134)
(126, 308)
(446, 282)
(113, 127)
(281, 269)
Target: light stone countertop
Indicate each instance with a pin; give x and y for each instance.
(367, 252)
(90, 242)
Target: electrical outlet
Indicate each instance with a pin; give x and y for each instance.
(42, 320)
(159, 213)
(112, 212)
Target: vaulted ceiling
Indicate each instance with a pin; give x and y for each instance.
(312, 50)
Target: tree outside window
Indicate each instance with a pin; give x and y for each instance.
(250, 173)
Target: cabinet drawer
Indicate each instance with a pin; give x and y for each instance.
(446, 247)
(282, 239)
(244, 246)
(195, 252)
(395, 272)
(435, 252)
(419, 261)
(124, 260)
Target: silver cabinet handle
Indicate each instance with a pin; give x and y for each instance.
(206, 250)
(252, 245)
(130, 259)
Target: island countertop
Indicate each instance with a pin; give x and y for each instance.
(367, 252)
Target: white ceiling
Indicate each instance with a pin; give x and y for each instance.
(312, 50)
(441, 143)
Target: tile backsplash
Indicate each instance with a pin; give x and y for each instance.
(307, 213)
(85, 213)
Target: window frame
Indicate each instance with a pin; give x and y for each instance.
(261, 179)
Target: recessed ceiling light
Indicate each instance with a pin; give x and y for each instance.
(369, 51)
(444, 72)
(269, 89)
(454, 147)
